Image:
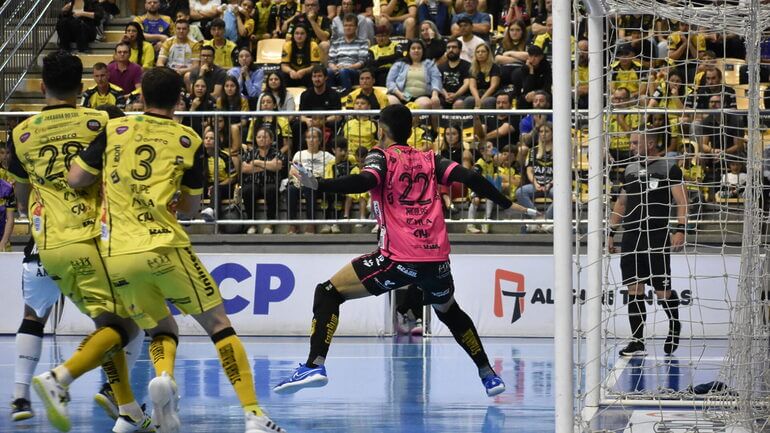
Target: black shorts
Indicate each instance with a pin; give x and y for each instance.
(380, 274)
(646, 258)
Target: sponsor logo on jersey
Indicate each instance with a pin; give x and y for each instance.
(185, 141)
(121, 129)
(24, 137)
(93, 125)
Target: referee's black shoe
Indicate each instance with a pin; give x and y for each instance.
(672, 340)
(634, 348)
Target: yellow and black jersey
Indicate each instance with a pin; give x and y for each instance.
(360, 133)
(279, 126)
(486, 168)
(385, 56)
(42, 149)
(222, 165)
(299, 59)
(511, 177)
(145, 161)
(628, 78)
(620, 138)
(114, 96)
(675, 40)
(224, 56)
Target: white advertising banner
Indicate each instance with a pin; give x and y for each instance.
(504, 295)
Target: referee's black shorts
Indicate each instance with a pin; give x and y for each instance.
(646, 258)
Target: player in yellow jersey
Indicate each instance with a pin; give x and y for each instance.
(65, 230)
(150, 166)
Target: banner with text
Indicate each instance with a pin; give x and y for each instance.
(504, 295)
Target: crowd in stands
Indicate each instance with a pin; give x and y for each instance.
(427, 54)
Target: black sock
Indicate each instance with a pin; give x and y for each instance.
(671, 306)
(326, 312)
(412, 301)
(637, 316)
(465, 334)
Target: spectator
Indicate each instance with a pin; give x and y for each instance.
(314, 160)
(123, 73)
(580, 78)
(376, 97)
(539, 171)
(319, 27)
(539, 23)
(720, 134)
(199, 100)
(342, 165)
(402, 15)
(277, 88)
(486, 167)
(480, 21)
(142, 52)
(455, 76)
(104, 92)
(620, 125)
(208, 71)
(278, 125)
(202, 12)
(734, 181)
(534, 76)
(320, 96)
(484, 79)
(232, 99)
(365, 28)
(298, 58)
(509, 173)
(415, 79)
(683, 48)
(693, 175)
(530, 123)
(217, 161)
(451, 148)
(224, 50)
(283, 13)
(156, 26)
(469, 41)
(261, 167)
(360, 131)
(711, 84)
(437, 11)
(384, 54)
(498, 130)
(4, 175)
(643, 48)
(78, 24)
(672, 94)
(511, 52)
(172, 7)
(248, 76)
(361, 198)
(435, 47)
(265, 13)
(347, 55)
(179, 52)
(627, 72)
(239, 24)
(194, 32)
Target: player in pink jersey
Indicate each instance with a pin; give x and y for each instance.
(413, 246)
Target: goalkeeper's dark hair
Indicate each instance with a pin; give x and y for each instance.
(112, 110)
(62, 75)
(396, 122)
(161, 88)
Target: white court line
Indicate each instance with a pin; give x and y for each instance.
(617, 370)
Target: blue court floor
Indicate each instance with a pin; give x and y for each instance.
(378, 385)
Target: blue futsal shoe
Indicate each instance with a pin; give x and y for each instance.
(303, 377)
(493, 384)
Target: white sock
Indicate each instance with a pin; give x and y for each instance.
(28, 349)
(472, 210)
(490, 207)
(133, 349)
(132, 410)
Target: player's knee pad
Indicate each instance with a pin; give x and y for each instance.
(326, 295)
(31, 327)
(221, 335)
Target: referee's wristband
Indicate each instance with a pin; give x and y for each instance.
(677, 228)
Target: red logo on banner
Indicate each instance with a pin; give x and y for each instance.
(518, 294)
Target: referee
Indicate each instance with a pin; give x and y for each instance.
(652, 186)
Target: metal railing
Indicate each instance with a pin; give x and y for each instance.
(26, 26)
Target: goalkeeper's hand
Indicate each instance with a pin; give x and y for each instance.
(304, 177)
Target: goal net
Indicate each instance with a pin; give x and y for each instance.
(687, 77)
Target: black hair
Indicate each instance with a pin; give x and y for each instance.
(281, 88)
(350, 18)
(361, 152)
(208, 48)
(340, 143)
(100, 66)
(363, 98)
(267, 95)
(231, 103)
(111, 110)
(139, 40)
(217, 22)
(407, 58)
(397, 120)
(318, 68)
(62, 74)
(161, 88)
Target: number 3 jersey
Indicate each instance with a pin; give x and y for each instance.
(407, 205)
(145, 161)
(42, 149)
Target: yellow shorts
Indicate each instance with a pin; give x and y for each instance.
(80, 273)
(145, 281)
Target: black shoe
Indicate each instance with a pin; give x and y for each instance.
(634, 348)
(21, 409)
(672, 340)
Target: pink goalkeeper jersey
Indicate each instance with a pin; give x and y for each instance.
(407, 204)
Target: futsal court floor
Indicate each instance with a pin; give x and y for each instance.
(379, 385)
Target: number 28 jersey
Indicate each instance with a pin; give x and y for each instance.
(145, 161)
(406, 203)
(42, 149)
